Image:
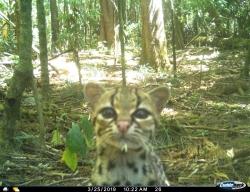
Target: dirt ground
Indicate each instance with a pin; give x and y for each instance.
(204, 136)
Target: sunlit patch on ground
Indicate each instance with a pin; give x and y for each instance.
(203, 57)
(197, 68)
(169, 112)
(99, 67)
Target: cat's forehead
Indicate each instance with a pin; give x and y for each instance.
(124, 97)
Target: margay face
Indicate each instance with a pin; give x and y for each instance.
(124, 118)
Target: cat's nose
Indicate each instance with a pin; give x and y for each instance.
(123, 126)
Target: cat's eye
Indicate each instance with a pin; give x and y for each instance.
(108, 112)
(141, 113)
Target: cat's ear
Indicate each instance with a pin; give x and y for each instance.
(160, 96)
(92, 92)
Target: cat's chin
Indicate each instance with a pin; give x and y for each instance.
(124, 144)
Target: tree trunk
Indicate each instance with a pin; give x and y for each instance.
(121, 15)
(243, 23)
(77, 62)
(66, 23)
(17, 23)
(132, 11)
(108, 22)
(22, 76)
(246, 68)
(173, 16)
(154, 43)
(215, 15)
(54, 25)
(74, 43)
(179, 33)
(43, 49)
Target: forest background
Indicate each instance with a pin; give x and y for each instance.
(50, 49)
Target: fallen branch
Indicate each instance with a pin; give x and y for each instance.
(55, 56)
(8, 62)
(193, 39)
(215, 129)
(86, 180)
(31, 181)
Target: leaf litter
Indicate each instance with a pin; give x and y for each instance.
(205, 128)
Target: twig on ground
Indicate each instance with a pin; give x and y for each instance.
(86, 180)
(215, 129)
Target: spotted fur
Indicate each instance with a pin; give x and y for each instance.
(124, 120)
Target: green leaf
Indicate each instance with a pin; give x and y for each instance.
(56, 138)
(70, 159)
(75, 141)
(87, 128)
(221, 175)
(1, 107)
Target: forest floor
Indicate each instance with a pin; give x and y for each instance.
(204, 136)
